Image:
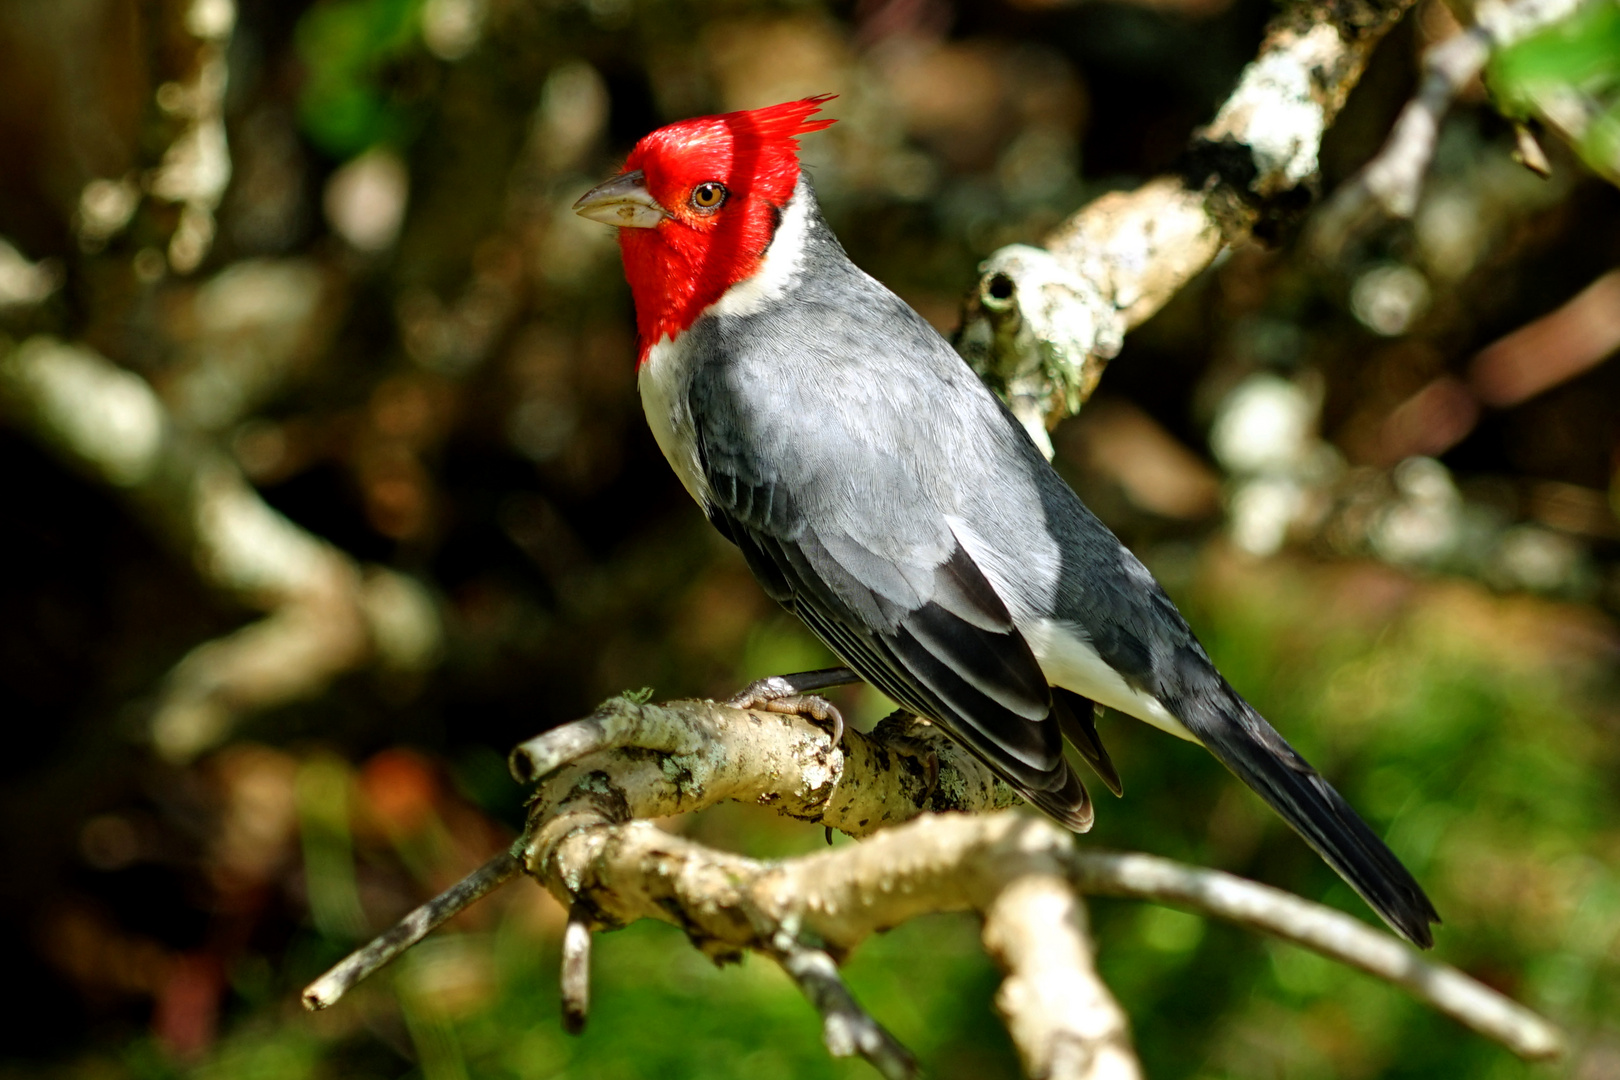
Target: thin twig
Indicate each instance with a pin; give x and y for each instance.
(576, 970)
(1325, 931)
(327, 615)
(1393, 179)
(846, 1029)
(327, 989)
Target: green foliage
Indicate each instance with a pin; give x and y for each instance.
(1453, 729)
(357, 55)
(1450, 721)
(1579, 56)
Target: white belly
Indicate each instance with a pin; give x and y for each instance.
(662, 380)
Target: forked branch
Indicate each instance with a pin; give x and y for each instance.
(1022, 875)
(1043, 322)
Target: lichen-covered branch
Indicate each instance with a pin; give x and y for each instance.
(326, 614)
(635, 760)
(1043, 323)
(1026, 878)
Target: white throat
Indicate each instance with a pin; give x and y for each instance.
(667, 371)
(780, 266)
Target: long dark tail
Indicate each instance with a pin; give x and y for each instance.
(1261, 758)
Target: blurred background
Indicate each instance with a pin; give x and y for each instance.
(326, 482)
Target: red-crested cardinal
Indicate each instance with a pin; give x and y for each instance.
(883, 495)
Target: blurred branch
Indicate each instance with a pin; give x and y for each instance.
(576, 968)
(847, 1029)
(1022, 875)
(1042, 323)
(196, 166)
(411, 929)
(1061, 1015)
(25, 284)
(1394, 178)
(326, 615)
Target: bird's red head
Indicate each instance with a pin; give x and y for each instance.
(697, 204)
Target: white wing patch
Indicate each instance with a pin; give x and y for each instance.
(1069, 661)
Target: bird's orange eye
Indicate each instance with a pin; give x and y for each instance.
(708, 196)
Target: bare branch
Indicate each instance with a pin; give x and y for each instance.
(1394, 178)
(1042, 324)
(1333, 934)
(846, 1028)
(327, 989)
(576, 970)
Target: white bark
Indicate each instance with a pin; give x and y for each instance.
(1042, 324)
(588, 843)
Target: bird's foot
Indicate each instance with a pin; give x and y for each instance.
(792, 694)
(775, 695)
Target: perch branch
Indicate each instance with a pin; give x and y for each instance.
(1042, 323)
(644, 761)
(1023, 875)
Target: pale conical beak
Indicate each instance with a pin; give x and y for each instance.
(622, 201)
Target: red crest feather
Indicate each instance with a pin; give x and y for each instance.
(689, 260)
(781, 124)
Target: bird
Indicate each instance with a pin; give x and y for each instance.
(879, 491)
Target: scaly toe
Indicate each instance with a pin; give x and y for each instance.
(809, 706)
(761, 692)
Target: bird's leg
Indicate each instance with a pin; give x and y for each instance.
(793, 695)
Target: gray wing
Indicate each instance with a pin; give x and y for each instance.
(838, 528)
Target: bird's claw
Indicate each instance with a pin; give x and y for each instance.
(931, 770)
(775, 695)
